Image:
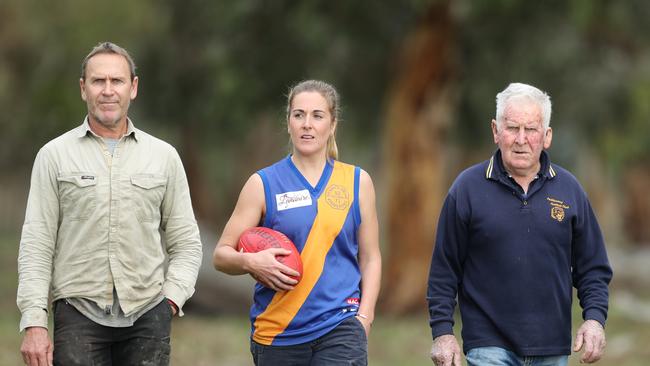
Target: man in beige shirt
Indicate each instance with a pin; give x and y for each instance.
(109, 233)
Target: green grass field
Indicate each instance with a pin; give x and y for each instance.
(212, 340)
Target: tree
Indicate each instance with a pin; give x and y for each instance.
(420, 111)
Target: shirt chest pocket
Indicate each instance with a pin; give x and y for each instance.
(77, 195)
(147, 192)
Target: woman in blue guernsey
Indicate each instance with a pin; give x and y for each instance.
(327, 208)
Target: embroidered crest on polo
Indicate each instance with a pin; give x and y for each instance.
(287, 200)
(557, 209)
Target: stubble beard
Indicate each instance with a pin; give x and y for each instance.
(108, 123)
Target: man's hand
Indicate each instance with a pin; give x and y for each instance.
(591, 335)
(37, 349)
(445, 351)
(173, 306)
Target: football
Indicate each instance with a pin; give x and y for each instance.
(256, 239)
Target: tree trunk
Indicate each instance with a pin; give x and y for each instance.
(420, 107)
(188, 74)
(636, 180)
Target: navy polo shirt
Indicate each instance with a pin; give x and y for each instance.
(512, 259)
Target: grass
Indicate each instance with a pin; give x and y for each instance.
(393, 341)
(214, 340)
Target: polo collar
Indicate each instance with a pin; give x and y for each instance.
(495, 167)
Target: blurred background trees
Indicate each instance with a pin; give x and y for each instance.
(418, 80)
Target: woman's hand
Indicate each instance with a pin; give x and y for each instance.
(266, 269)
(367, 323)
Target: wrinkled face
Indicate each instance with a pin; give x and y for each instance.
(310, 123)
(108, 89)
(521, 137)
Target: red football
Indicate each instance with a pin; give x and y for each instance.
(256, 239)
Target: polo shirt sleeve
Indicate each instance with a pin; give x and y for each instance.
(590, 267)
(445, 272)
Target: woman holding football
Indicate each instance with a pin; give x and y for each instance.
(327, 209)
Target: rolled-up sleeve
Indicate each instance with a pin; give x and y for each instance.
(182, 237)
(37, 243)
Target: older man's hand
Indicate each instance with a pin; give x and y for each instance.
(591, 338)
(445, 351)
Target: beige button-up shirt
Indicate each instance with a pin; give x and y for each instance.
(96, 221)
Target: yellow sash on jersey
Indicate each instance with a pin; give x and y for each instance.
(333, 207)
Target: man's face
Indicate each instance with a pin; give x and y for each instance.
(521, 137)
(108, 89)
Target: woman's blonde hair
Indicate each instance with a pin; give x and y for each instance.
(331, 96)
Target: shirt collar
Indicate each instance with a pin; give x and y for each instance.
(495, 167)
(84, 129)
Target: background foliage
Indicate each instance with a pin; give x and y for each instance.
(213, 79)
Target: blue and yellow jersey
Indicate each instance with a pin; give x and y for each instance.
(322, 222)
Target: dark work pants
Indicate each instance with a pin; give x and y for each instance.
(346, 344)
(80, 341)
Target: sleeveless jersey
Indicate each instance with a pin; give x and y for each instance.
(322, 222)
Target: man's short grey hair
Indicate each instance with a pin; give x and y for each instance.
(524, 91)
(110, 48)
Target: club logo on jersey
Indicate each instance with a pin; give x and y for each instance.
(337, 197)
(557, 209)
(288, 200)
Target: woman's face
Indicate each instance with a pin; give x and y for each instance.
(310, 123)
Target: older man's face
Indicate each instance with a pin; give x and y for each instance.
(521, 137)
